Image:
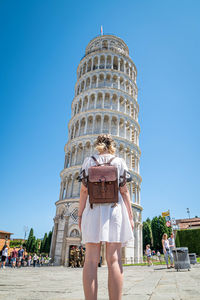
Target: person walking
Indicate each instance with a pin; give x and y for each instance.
(14, 255)
(4, 256)
(20, 256)
(109, 223)
(35, 258)
(148, 254)
(166, 251)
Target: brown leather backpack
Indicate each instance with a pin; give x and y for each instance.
(102, 183)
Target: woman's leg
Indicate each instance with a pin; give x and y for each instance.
(92, 258)
(115, 270)
(166, 258)
(171, 259)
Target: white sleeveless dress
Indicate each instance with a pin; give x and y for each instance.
(104, 223)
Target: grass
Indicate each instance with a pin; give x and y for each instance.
(145, 264)
(155, 263)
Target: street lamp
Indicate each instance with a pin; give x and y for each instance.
(188, 212)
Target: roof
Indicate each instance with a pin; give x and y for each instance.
(192, 220)
(1, 231)
(188, 223)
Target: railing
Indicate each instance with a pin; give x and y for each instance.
(113, 49)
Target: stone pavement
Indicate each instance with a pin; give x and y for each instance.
(140, 283)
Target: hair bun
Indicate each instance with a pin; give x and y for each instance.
(105, 142)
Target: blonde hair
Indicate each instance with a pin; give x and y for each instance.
(104, 143)
(164, 235)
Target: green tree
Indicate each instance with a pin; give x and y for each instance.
(48, 244)
(29, 241)
(37, 245)
(43, 243)
(33, 245)
(158, 227)
(147, 233)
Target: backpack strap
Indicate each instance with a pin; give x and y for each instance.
(95, 160)
(98, 164)
(111, 160)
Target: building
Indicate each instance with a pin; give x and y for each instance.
(105, 102)
(192, 223)
(4, 237)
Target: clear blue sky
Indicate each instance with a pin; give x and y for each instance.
(41, 45)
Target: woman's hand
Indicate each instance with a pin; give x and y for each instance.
(79, 222)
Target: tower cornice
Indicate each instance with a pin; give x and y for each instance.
(92, 137)
(106, 89)
(109, 112)
(107, 71)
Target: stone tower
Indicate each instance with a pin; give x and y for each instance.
(105, 102)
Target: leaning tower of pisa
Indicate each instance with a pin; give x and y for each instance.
(105, 101)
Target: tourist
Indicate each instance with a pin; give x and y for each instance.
(4, 256)
(159, 256)
(148, 254)
(20, 256)
(171, 242)
(106, 222)
(41, 259)
(14, 255)
(167, 252)
(171, 247)
(35, 258)
(29, 260)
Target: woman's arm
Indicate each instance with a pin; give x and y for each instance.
(83, 198)
(127, 201)
(164, 250)
(82, 203)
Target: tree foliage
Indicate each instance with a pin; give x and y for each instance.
(34, 245)
(17, 243)
(46, 243)
(147, 233)
(158, 226)
(29, 240)
(189, 238)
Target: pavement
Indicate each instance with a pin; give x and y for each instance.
(140, 283)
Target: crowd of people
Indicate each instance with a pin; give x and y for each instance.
(19, 258)
(77, 257)
(168, 245)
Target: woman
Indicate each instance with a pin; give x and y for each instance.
(108, 223)
(14, 257)
(4, 256)
(35, 258)
(148, 254)
(166, 251)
